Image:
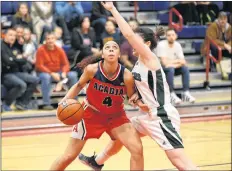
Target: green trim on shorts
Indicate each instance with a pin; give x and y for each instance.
(172, 140)
(163, 114)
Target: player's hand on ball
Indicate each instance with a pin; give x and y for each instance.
(107, 5)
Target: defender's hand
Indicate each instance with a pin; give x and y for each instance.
(134, 99)
(108, 5)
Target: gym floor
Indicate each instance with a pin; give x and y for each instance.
(207, 143)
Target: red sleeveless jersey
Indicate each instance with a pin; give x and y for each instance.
(107, 95)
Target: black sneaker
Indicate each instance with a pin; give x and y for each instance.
(90, 161)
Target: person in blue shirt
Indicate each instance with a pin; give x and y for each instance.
(71, 11)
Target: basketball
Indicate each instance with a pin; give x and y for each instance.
(70, 112)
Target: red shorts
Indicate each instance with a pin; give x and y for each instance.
(94, 124)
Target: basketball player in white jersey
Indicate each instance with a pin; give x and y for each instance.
(162, 123)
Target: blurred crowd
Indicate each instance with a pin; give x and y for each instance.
(33, 48)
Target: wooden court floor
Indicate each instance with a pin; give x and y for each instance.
(207, 143)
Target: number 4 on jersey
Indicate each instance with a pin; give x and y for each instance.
(107, 101)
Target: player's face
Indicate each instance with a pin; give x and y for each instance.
(111, 52)
(171, 36)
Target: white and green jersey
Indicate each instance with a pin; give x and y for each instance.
(164, 124)
(152, 85)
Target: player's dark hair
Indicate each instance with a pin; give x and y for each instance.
(147, 35)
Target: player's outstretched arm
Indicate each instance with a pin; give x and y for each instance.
(135, 41)
(87, 75)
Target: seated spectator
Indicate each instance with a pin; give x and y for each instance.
(220, 32)
(188, 11)
(127, 58)
(99, 17)
(71, 11)
(173, 62)
(207, 12)
(83, 40)
(22, 17)
(110, 34)
(18, 45)
(29, 49)
(20, 85)
(58, 35)
(52, 65)
(44, 21)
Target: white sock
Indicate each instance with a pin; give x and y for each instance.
(101, 158)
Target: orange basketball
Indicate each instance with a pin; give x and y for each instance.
(70, 112)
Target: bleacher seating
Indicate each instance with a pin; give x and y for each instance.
(160, 11)
(150, 5)
(192, 32)
(6, 7)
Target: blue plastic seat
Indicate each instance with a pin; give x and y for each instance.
(146, 6)
(87, 6)
(197, 45)
(160, 6)
(6, 7)
(192, 32)
(66, 48)
(164, 18)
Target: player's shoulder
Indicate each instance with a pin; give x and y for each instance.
(91, 69)
(127, 75)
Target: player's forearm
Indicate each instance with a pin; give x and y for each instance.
(122, 24)
(73, 92)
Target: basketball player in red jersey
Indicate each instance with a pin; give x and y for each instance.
(104, 112)
(163, 122)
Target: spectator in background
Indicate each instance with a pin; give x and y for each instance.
(99, 17)
(188, 11)
(52, 65)
(44, 21)
(220, 32)
(58, 35)
(110, 34)
(83, 40)
(22, 17)
(71, 11)
(172, 59)
(29, 49)
(18, 45)
(127, 57)
(20, 85)
(207, 12)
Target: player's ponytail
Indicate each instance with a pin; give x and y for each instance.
(159, 32)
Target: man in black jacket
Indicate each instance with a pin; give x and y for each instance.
(20, 85)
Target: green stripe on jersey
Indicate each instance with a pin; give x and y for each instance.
(160, 87)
